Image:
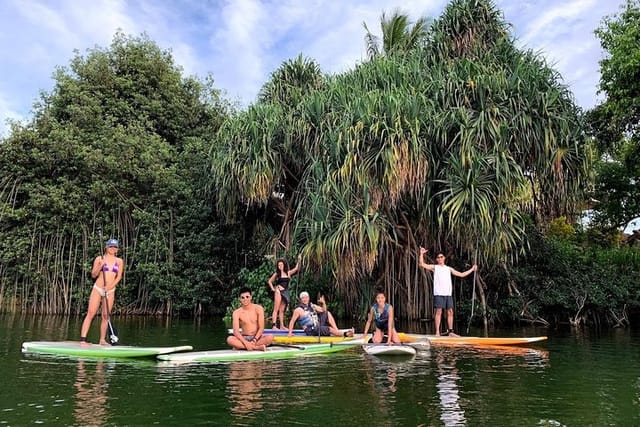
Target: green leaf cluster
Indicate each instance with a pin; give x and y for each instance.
(563, 280)
(117, 149)
(615, 123)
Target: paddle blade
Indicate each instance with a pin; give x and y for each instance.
(112, 335)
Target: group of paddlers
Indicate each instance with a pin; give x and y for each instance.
(248, 320)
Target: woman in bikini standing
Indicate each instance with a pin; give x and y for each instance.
(279, 284)
(107, 270)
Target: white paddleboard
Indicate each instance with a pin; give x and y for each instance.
(389, 350)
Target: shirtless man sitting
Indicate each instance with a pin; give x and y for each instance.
(248, 325)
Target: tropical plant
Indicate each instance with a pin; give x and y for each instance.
(446, 146)
(398, 35)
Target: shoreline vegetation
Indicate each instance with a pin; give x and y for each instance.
(448, 136)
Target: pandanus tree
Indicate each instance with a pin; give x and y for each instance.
(259, 163)
(446, 145)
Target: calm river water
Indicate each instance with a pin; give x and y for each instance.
(576, 378)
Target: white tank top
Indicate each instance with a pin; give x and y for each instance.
(441, 280)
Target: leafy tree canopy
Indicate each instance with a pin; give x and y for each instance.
(615, 123)
(120, 144)
(446, 145)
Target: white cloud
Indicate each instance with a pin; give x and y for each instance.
(564, 33)
(237, 48)
(241, 42)
(555, 19)
(7, 113)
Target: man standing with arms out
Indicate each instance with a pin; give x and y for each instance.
(442, 288)
(248, 325)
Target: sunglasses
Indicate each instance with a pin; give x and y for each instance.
(245, 297)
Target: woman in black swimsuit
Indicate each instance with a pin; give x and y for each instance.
(279, 284)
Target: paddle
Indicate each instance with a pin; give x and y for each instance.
(473, 295)
(112, 333)
(318, 318)
(382, 344)
(348, 342)
(298, 347)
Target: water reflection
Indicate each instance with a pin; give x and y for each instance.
(91, 395)
(532, 357)
(451, 412)
(245, 388)
(384, 379)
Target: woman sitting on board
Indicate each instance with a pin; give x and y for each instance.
(107, 270)
(279, 284)
(316, 320)
(381, 314)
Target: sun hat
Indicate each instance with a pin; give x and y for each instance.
(304, 294)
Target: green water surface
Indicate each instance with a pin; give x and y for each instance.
(576, 378)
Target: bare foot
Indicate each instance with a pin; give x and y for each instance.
(84, 344)
(261, 347)
(350, 332)
(103, 342)
(453, 334)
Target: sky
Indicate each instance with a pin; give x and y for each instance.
(240, 42)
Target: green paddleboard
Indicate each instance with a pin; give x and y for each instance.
(272, 352)
(75, 348)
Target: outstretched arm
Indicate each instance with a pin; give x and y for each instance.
(466, 273)
(260, 331)
(421, 262)
(390, 332)
(295, 269)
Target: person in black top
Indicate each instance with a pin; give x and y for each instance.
(279, 284)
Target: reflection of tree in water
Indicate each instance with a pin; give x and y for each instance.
(245, 388)
(91, 395)
(452, 413)
(382, 378)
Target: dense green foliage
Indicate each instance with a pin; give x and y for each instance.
(118, 148)
(444, 143)
(448, 137)
(565, 280)
(615, 123)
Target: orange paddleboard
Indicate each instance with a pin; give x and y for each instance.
(478, 341)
